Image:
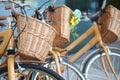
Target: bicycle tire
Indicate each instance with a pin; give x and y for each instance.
(32, 67)
(93, 70)
(71, 73)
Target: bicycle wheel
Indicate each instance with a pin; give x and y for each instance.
(26, 69)
(93, 69)
(71, 71)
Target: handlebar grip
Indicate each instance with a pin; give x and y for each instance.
(3, 17)
(1, 24)
(9, 7)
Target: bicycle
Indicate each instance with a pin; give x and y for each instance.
(11, 68)
(34, 74)
(63, 51)
(104, 56)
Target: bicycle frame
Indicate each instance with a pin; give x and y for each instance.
(96, 39)
(5, 35)
(6, 48)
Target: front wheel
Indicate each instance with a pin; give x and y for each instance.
(68, 69)
(26, 70)
(93, 69)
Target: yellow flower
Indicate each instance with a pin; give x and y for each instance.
(75, 18)
(74, 21)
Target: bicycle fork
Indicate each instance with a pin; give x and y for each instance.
(108, 61)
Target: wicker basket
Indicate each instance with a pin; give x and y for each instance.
(110, 24)
(61, 22)
(36, 39)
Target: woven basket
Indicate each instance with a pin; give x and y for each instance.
(110, 24)
(36, 39)
(61, 22)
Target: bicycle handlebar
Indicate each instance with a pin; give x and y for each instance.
(9, 7)
(99, 12)
(17, 5)
(93, 18)
(27, 5)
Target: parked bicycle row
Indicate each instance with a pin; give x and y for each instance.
(36, 52)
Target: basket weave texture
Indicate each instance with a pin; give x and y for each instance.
(110, 24)
(36, 40)
(61, 22)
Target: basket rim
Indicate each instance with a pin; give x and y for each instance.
(63, 6)
(38, 21)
